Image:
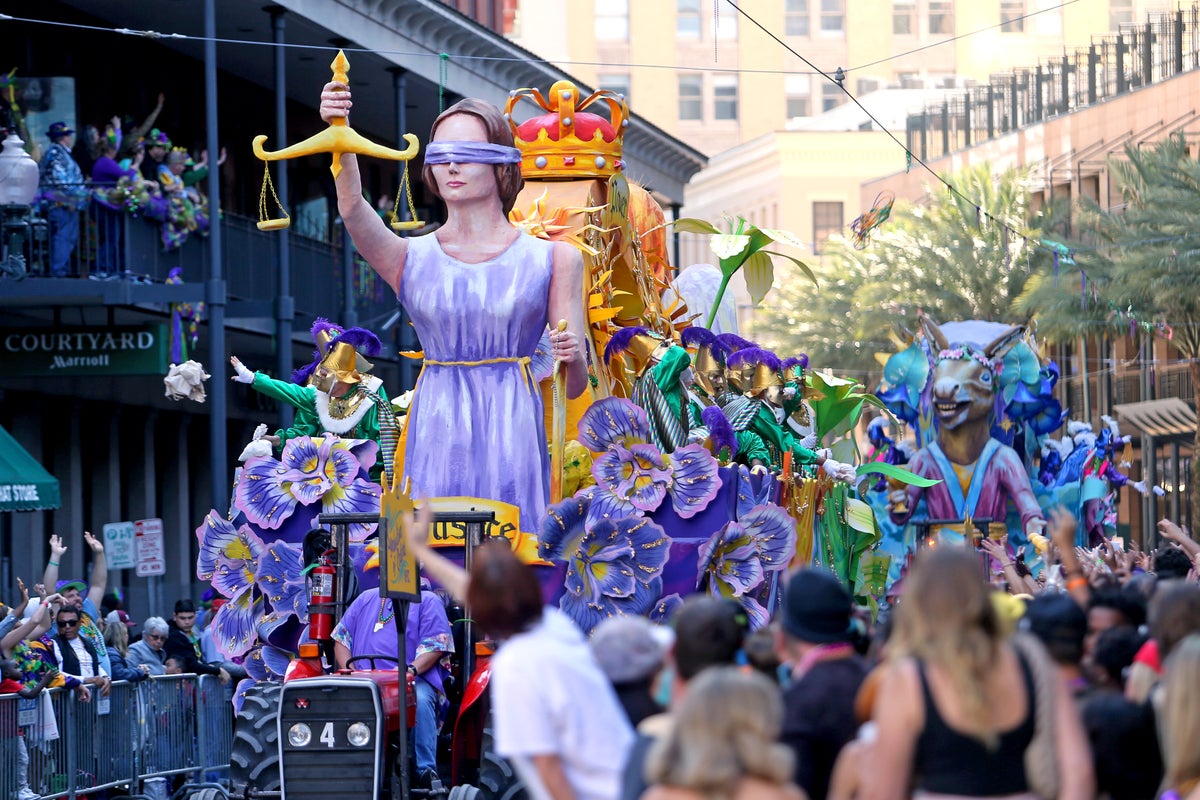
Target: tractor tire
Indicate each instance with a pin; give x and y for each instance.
(497, 779)
(207, 793)
(465, 792)
(254, 759)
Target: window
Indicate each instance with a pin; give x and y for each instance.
(798, 89)
(612, 20)
(941, 17)
(725, 97)
(690, 97)
(831, 96)
(904, 18)
(727, 22)
(827, 221)
(833, 16)
(615, 82)
(1120, 12)
(687, 19)
(795, 18)
(1012, 13)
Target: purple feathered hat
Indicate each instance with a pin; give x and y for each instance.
(732, 342)
(720, 433)
(638, 342)
(760, 369)
(324, 333)
(800, 361)
(753, 356)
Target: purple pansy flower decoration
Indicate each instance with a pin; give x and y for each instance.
(228, 556)
(614, 566)
(329, 471)
(633, 476)
(235, 624)
(280, 577)
(736, 560)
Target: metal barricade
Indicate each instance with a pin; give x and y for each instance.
(169, 726)
(214, 712)
(164, 726)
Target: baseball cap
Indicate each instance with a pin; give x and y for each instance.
(63, 586)
(627, 649)
(58, 130)
(816, 608)
(118, 615)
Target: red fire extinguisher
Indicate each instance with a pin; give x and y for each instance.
(320, 601)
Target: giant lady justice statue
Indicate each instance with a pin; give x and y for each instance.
(480, 294)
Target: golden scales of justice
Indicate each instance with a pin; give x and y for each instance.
(338, 138)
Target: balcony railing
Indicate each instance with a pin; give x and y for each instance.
(1127, 388)
(117, 245)
(1137, 55)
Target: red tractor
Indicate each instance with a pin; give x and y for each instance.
(345, 733)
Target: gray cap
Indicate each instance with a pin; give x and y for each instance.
(627, 649)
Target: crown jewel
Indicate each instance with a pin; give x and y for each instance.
(568, 142)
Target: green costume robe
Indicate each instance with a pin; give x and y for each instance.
(778, 440)
(660, 392)
(312, 412)
(750, 445)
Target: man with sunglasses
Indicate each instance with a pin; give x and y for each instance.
(76, 656)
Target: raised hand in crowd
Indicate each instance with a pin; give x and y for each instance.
(92, 542)
(57, 548)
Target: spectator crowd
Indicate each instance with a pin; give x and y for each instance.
(113, 173)
(978, 679)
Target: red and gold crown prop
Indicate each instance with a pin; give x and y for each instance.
(566, 141)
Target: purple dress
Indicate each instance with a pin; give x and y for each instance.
(476, 429)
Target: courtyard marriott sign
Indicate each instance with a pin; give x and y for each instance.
(47, 352)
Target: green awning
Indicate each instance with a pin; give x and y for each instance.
(24, 483)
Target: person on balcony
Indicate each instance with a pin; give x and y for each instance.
(63, 193)
(106, 177)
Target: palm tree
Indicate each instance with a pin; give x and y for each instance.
(945, 256)
(1146, 257)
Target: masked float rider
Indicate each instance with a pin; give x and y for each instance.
(709, 386)
(762, 409)
(335, 394)
(656, 366)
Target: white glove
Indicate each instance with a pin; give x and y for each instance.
(809, 442)
(825, 453)
(839, 471)
(1140, 486)
(243, 375)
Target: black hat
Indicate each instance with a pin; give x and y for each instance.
(59, 130)
(816, 608)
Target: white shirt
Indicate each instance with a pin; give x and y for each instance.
(549, 697)
(87, 666)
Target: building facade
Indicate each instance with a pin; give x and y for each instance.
(715, 77)
(122, 451)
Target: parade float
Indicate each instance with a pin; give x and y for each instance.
(977, 413)
(690, 460)
(694, 462)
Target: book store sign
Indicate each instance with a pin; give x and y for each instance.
(85, 351)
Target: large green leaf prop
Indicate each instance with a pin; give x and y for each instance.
(743, 247)
(838, 403)
(898, 473)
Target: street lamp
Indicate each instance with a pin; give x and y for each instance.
(18, 187)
